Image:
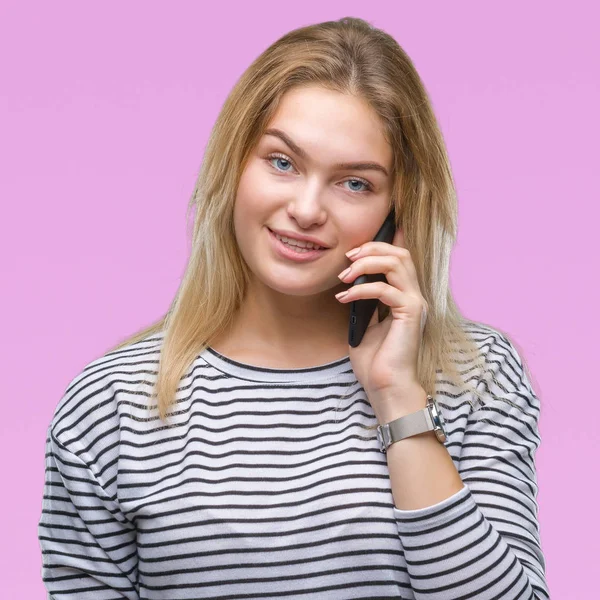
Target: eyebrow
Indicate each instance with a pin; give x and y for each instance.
(353, 166)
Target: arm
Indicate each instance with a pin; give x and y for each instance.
(88, 547)
(479, 540)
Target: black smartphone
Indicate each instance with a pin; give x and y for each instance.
(361, 311)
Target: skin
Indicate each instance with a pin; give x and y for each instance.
(290, 317)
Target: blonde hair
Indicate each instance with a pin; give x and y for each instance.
(352, 57)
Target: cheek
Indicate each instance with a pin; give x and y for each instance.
(250, 214)
(244, 206)
(252, 199)
(365, 224)
(358, 231)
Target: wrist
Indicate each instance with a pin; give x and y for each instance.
(393, 404)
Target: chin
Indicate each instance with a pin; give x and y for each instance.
(295, 288)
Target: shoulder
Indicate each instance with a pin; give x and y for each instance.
(93, 403)
(490, 340)
(494, 345)
(504, 375)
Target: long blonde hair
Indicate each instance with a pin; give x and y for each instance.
(352, 57)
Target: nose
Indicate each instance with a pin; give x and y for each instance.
(307, 208)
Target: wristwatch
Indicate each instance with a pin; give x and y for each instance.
(429, 418)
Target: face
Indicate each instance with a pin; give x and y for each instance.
(299, 186)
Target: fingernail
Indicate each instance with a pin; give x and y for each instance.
(341, 294)
(344, 273)
(352, 252)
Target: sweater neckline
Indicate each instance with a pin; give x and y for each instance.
(250, 372)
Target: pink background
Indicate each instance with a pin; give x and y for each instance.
(105, 109)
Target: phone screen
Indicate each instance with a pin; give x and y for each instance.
(361, 311)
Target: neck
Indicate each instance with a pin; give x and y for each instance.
(273, 329)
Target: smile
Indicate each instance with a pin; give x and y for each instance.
(295, 253)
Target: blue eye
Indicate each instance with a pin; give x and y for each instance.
(280, 159)
(368, 188)
(283, 159)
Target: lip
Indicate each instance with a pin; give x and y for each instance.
(301, 238)
(286, 252)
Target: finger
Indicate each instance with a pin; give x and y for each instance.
(389, 295)
(397, 272)
(381, 249)
(375, 316)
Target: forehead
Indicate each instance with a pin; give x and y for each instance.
(324, 122)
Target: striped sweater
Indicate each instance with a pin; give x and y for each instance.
(266, 483)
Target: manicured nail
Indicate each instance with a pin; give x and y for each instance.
(344, 273)
(341, 294)
(353, 252)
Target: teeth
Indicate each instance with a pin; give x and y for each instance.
(298, 243)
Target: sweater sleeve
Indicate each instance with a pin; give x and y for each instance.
(483, 542)
(88, 547)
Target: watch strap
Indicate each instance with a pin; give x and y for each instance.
(406, 426)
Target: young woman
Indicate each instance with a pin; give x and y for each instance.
(239, 447)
